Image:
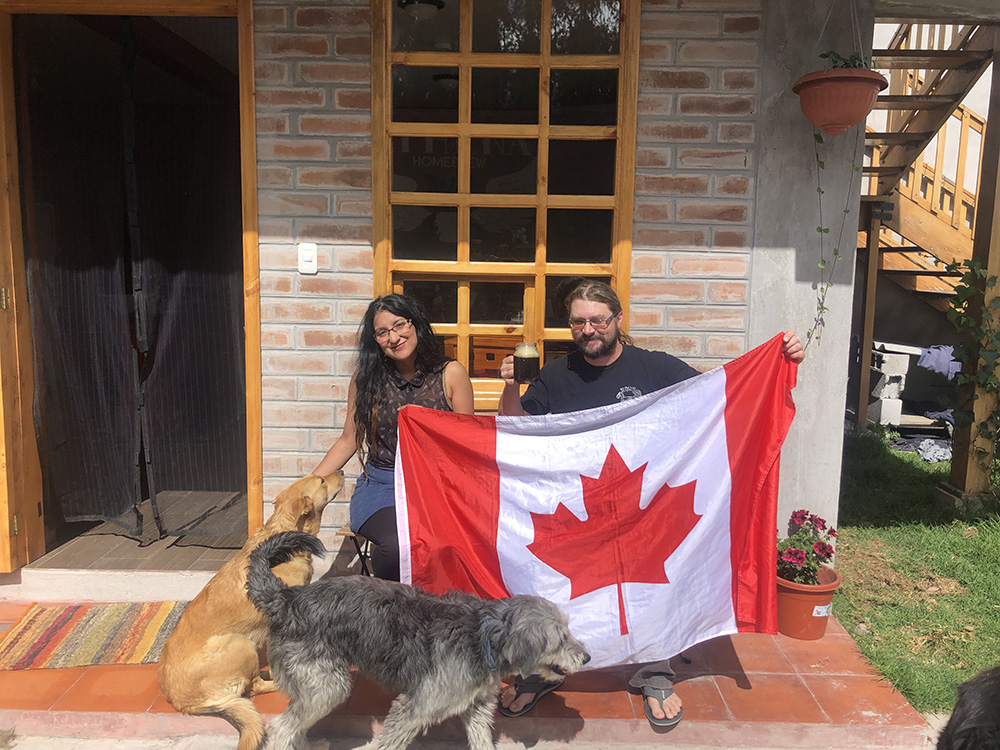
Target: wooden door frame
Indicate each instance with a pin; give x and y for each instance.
(22, 529)
(387, 274)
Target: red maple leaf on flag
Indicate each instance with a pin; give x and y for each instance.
(619, 542)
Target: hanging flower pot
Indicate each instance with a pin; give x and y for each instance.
(835, 100)
(803, 608)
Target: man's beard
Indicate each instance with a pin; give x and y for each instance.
(607, 344)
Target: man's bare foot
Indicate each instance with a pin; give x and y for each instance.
(671, 706)
(510, 700)
(520, 696)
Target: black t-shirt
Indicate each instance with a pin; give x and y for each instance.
(571, 383)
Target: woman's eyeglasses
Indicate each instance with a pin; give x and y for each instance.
(600, 324)
(382, 334)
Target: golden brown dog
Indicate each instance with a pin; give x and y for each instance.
(211, 662)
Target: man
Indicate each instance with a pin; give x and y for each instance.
(605, 368)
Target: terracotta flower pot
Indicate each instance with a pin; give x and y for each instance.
(803, 609)
(835, 100)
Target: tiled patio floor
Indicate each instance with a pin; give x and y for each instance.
(747, 690)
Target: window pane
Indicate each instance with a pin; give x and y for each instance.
(450, 345)
(584, 97)
(952, 134)
(424, 94)
(425, 232)
(425, 165)
(585, 28)
(496, 302)
(440, 299)
(487, 352)
(505, 95)
(972, 160)
(557, 349)
(425, 26)
(506, 26)
(581, 167)
(504, 165)
(502, 234)
(579, 235)
(556, 289)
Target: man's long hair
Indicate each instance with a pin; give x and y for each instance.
(594, 291)
(374, 371)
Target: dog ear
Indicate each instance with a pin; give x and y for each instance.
(306, 504)
(522, 641)
(305, 511)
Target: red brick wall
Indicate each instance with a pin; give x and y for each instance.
(694, 186)
(694, 177)
(313, 78)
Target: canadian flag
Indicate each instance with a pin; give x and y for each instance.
(650, 522)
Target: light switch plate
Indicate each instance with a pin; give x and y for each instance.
(308, 257)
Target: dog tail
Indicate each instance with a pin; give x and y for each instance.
(263, 587)
(242, 714)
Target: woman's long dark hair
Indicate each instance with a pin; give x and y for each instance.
(374, 370)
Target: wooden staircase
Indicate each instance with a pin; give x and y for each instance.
(933, 174)
(922, 168)
(922, 164)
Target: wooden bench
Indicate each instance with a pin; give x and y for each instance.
(362, 545)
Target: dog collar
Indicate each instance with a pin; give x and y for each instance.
(489, 654)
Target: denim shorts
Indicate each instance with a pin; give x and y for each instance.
(376, 489)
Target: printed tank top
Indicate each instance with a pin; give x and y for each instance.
(423, 390)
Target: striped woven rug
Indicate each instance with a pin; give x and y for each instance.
(75, 635)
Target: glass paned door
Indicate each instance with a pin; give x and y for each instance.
(505, 139)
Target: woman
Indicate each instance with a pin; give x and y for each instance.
(400, 362)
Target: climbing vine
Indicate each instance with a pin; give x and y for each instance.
(828, 259)
(975, 313)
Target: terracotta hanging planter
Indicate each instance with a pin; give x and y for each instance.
(803, 609)
(835, 100)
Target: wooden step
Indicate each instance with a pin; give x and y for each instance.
(929, 59)
(918, 272)
(868, 169)
(900, 249)
(888, 139)
(914, 101)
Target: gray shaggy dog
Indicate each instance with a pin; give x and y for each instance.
(443, 655)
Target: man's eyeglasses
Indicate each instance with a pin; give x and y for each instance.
(382, 334)
(599, 324)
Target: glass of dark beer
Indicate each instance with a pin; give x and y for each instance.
(526, 362)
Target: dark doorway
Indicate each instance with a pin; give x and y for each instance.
(130, 174)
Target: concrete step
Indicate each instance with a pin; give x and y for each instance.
(213, 742)
(74, 585)
(68, 729)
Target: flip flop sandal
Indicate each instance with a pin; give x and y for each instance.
(537, 687)
(660, 695)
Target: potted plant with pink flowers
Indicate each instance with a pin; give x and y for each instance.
(805, 580)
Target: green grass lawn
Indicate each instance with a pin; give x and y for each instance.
(921, 584)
